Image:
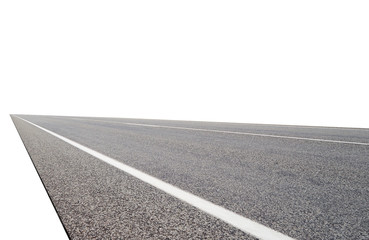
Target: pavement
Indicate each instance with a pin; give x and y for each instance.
(304, 182)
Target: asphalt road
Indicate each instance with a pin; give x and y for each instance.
(288, 178)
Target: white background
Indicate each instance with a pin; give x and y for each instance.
(286, 62)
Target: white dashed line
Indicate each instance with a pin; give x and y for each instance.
(229, 132)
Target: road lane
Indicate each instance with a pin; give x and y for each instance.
(303, 189)
(333, 133)
(95, 200)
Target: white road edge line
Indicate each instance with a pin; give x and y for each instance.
(230, 132)
(244, 224)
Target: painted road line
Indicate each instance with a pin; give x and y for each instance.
(244, 224)
(229, 132)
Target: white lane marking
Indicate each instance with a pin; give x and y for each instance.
(230, 132)
(252, 124)
(244, 224)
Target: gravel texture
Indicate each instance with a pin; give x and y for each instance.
(304, 189)
(97, 201)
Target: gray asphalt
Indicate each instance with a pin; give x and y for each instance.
(304, 189)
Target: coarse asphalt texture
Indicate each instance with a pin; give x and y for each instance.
(304, 189)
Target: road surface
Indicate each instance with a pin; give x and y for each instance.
(297, 181)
